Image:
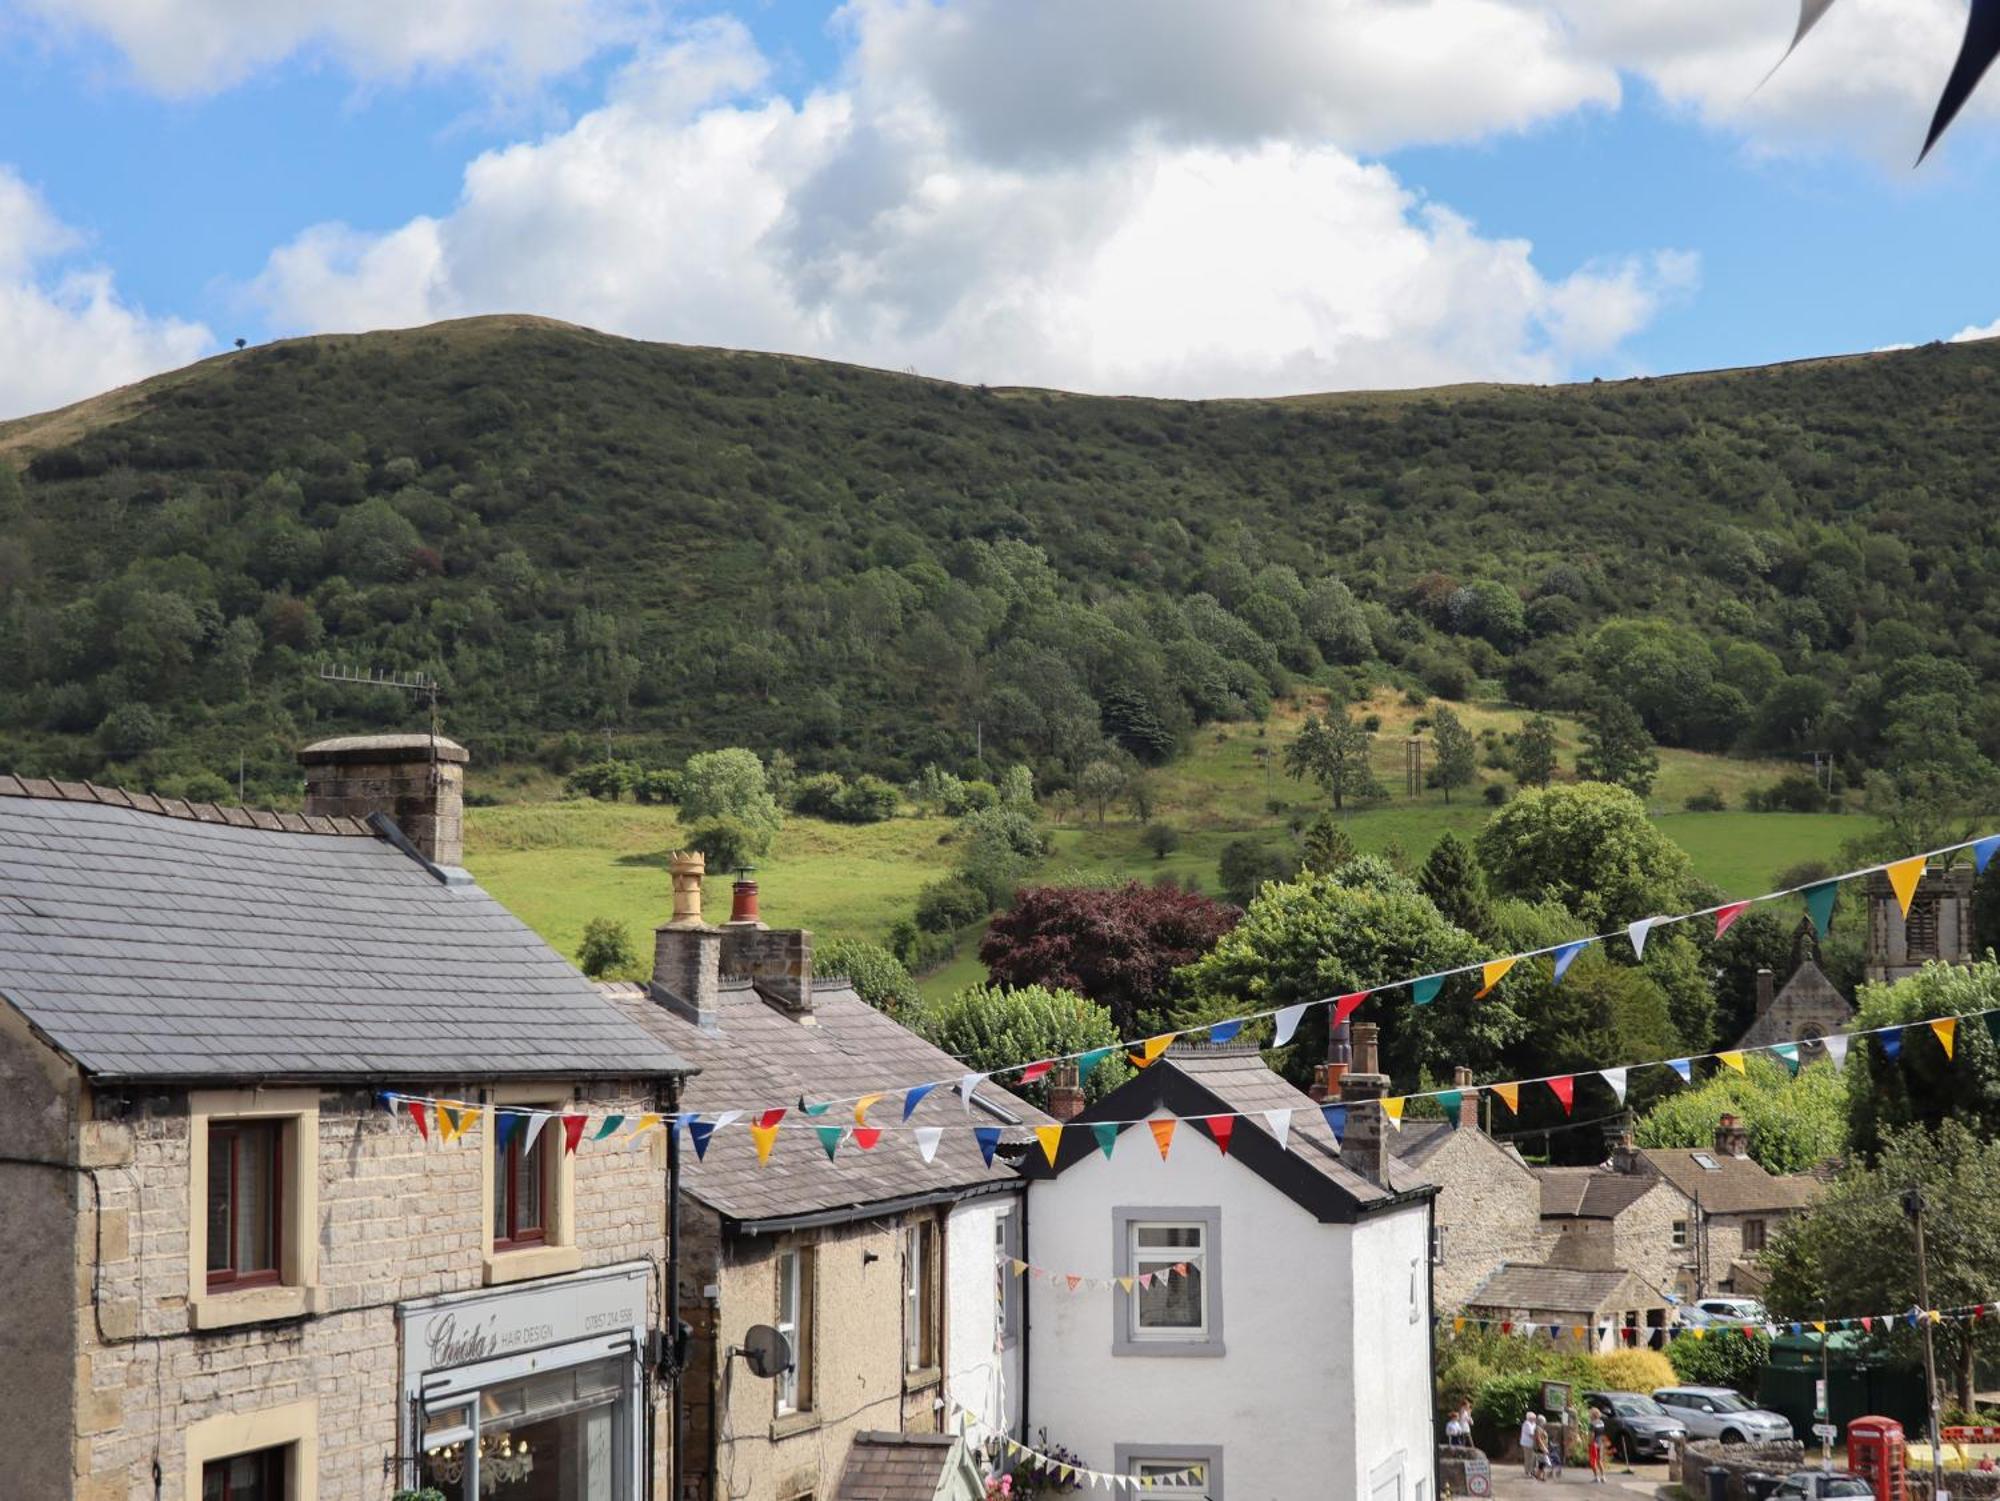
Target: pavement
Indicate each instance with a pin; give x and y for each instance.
(1509, 1484)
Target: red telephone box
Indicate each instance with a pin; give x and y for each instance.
(1875, 1452)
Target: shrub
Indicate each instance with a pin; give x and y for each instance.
(656, 785)
(1634, 1371)
(130, 730)
(1495, 794)
(869, 799)
(726, 842)
(1723, 1358)
(207, 787)
(1162, 839)
(1708, 800)
(730, 784)
(1794, 792)
(605, 780)
(1246, 865)
(991, 1026)
(606, 951)
(819, 796)
(879, 977)
(917, 951)
(980, 795)
(948, 905)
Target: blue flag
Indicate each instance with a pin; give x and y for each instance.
(1424, 991)
(988, 1138)
(1225, 1031)
(1336, 1120)
(1982, 852)
(1684, 1068)
(1892, 1045)
(503, 1132)
(1566, 956)
(915, 1098)
(699, 1132)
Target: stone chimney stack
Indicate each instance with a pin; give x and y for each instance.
(418, 783)
(1065, 1092)
(743, 903)
(778, 961)
(1366, 1148)
(1767, 990)
(1339, 1058)
(1468, 1103)
(1732, 1138)
(687, 952)
(1624, 1154)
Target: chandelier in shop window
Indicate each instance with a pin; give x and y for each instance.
(501, 1462)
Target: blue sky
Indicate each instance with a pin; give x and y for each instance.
(1175, 196)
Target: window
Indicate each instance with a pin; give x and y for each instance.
(1920, 928)
(1169, 1299)
(1753, 1235)
(246, 1188)
(520, 1193)
(246, 1477)
(1707, 1162)
(1007, 1290)
(920, 1296)
(1437, 1244)
(1199, 1467)
(795, 1322)
(1680, 1234)
(253, 1202)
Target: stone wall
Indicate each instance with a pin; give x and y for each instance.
(1643, 1239)
(1489, 1209)
(1693, 1460)
(398, 1219)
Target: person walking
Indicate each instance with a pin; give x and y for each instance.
(1458, 1427)
(1542, 1460)
(1530, 1467)
(1598, 1435)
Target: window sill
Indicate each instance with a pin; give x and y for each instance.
(1172, 1348)
(519, 1266)
(792, 1424)
(253, 1305)
(917, 1381)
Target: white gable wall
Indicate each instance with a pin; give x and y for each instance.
(981, 1373)
(1282, 1403)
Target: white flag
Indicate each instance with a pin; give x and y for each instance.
(928, 1138)
(1836, 1048)
(1280, 1122)
(1638, 933)
(1615, 1077)
(1288, 1023)
(536, 1120)
(965, 1087)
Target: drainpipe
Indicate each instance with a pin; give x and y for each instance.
(1027, 1321)
(1430, 1262)
(676, 1347)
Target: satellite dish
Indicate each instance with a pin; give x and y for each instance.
(767, 1352)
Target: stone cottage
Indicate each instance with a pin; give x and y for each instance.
(886, 1271)
(1620, 1217)
(1738, 1205)
(1591, 1310)
(232, 1271)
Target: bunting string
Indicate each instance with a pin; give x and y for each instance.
(1073, 1282)
(1024, 1456)
(1877, 1323)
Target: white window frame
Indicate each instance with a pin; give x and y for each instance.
(1128, 1337)
(920, 1298)
(1170, 1459)
(794, 1320)
(1007, 1288)
(1680, 1234)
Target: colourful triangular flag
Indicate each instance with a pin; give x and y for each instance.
(1163, 1134)
(1566, 956)
(1107, 1137)
(1223, 1032)
(1449, 1101)
(1051, 1139)
(1903, 878)
(988, 1138)
(447, 1119)
(1982, 852)
(1684, 1067)
(1036, 1071)
(537, 1119)
(1280, 1122)
(829, 1139)
(1424, 991)
(862, 1106)
(1615, 1077)
(1491, 973)
(573, 1131)
(1089, 1061)
(1288, 1022)
(771, 1118)
(766, 1137)
(1220, 1128)
(814, 1110)
(1946, 1028)
(421, 1116)
(1819, 904)
(914, 1098)
(1392, 1111)
(1564, 1089)
(611, 1124)
(1787, 1053)
(1152, 1047)
(966, 1085)
(865, 1137)
(1336, 1120)
(505, 1124)
(928, 1138)
(1725, 917)
(1074, 1280)
(1128, 1283)
(1836, 1048)
(1639, 931)
(1892, 1045)
(1731, 1059)
(1510, 1096)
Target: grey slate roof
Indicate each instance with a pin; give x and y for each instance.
(1558, 1289)
(1733, 1185)
(757, 1057)
(152, 940)
(1591, 1193)
(906, 1467)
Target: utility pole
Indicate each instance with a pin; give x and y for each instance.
(1913, 1206)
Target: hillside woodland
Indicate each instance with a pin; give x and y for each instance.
(872, 572)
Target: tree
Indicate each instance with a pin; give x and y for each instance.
(606, 951)
(1535, 752)
(1795, 1123)
(999, 1027)
(1921, 1086)
(1017, 787)
(1450, 878)
(726, 843)
(1592, 848)
(1853, 1252)
(1118, 945)
(1142, 796)
(1162, 839)
(1736, 1362)
(1333, 751)
(1099, 784)
(603, 780)
(1245, 865)
(1330, 933)
(1617, 749)
(1325, 845)
(1457, 761)
(877, 975)
(730, 784)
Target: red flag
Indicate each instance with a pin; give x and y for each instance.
(1347, 1005)
(865, 1137)
(573, 1130)
(770, 1118)
(1868, 1325)
(1748, 1332)
(1035, 1071)
(1221, 1127)
(1724, 916)
(1564, 1089)
(1506, 1327)
(421, 1116)
(1074, 1281)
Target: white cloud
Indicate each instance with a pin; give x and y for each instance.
(190, 47)
(866, 223)
(84, 336)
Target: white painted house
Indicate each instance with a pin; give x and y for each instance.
(1294, 1359)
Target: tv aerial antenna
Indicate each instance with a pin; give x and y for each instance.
(419, 685)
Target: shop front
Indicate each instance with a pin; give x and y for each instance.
(531, 1393)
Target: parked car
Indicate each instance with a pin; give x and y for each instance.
(1813, 1485)
(1635, 1425)
(1718, 1412)
(1711, 1311)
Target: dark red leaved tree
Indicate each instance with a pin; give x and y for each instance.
(1118, 945)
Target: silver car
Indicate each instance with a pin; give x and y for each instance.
(1718, 1412)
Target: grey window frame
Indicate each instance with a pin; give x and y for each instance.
(1208, 1343)
(1124, 1456)
(1007, 1250)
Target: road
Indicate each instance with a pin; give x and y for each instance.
(1645, 1480)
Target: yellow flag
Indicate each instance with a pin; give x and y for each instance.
(1510, 1095)
(765, 1137)
(447, 1121)
(467, 1119)
(1152, 1047)
(1492, 973)
(1458, 1326)
(861, 1108)
(1946, 1028)
(1051, 1138)
(1393, 1109)
(1020, 1267)
(1699, 1333)
(1734, 1060)
(1127, 1283)
(1903, 878)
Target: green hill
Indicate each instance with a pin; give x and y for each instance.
(679, 548)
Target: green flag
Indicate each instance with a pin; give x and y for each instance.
(1819, 904)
